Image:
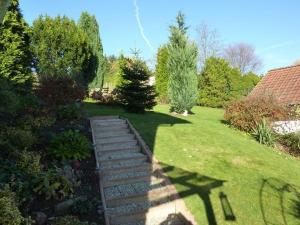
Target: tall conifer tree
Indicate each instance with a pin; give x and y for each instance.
(89, 25)
(182, 66)
(15, 54)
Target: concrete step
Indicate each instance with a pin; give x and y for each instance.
(115, 146)
(109, 134)
(118, 139)
(123, 164)
(126, 177)
(113, 157)
(133, 167)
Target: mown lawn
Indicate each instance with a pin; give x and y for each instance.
(213, 165)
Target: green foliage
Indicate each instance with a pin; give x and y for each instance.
(3, 7)
(15, 54)
(51, 185)
(69, 112)
(249, 81)
(29, 162)
(292, 141)
(247, 113)
(9, 212)
(264, 134)
(182, 64)
(218, 83)
(70, 145)
(135, 94)
(162, 74)
(69, 220)
(60, 48)
(10, 102)
(84, 206)
(63, 90)
(97, 69)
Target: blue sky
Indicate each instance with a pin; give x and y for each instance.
(273, 27)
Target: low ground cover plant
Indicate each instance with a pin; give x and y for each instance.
(292, 141)
(70, 145)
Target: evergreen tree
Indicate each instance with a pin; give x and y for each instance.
(135, 94)
(15, 54)
(97, 69)
(60, 48)
(3, 7)
(218, 83)
(162, 74)
(182, 65)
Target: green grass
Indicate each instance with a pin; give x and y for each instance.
(204, 158)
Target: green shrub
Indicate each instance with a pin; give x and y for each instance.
(69, 112)
(29, 162)
(247, 113)
(9, 212)
(292, 141)
(69, 220)
(84, 206)
(70, 145)
(264, 134)
(51, 185)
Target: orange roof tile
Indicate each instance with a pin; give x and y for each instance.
(282, 83)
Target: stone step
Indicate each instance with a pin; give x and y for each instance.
(118, 139)
(117, 156)
(138, 167)
(115, 146)
(111, 127)
(156, 196)
(123, 164)
(126, 177)
(150, 213)
(122, 150)
(105, 123)
(130, 180)
(109, 134)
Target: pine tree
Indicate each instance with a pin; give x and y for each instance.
(182, 65)
(15, 54)
(162, 74)
(89, 25)
(136, 95)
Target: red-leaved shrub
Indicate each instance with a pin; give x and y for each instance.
(61, 90)
(246, 114)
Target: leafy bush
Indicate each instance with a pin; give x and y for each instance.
(29, 162)
(292, 141)
(264, 134)
(69, 112)
(68, 220)
(84, 206)
(247, 113)
(61, 90)
(70, 145)
(52, 185)
(9, 212)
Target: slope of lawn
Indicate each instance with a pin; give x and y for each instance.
(224, 176)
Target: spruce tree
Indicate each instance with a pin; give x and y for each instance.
(135, 94)
(89, 25)
(15, 54)
(182, 65)
(162, 74)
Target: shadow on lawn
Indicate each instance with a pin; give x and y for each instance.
(287, 209)
(189, 183)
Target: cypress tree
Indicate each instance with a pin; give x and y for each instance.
(89, 25)
(162, 74)
(135, 94)
(15, 54)
(182, 65)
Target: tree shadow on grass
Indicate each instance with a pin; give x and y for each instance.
(286, 211)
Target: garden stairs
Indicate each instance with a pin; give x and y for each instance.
(134, 190)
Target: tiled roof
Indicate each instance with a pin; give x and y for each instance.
(282, 83)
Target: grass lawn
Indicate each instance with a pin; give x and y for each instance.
(224, 176)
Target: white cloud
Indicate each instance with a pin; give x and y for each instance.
(141, 28)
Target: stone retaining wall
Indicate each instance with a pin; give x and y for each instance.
(286, 127)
